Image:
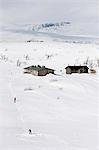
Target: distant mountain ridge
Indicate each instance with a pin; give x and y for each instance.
(67, 28)
(62, 31)
(56, 27)
(47, 26)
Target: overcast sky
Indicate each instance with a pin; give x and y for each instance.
(35, 11)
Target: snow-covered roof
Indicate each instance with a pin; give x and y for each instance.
(38, 68)
(76, 67)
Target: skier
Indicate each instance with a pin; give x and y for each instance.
(14, 99)
(30, 131)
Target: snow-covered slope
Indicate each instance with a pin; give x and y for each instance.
(59, 31)
(51, 27)
(61, 110)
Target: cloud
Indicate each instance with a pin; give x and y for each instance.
(29, 11)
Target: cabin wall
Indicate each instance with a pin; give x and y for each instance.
(86, 70)
(34, 72)
(68, 71)
(83, 70)
(80, 70)
(27, 71)
(39, 73)
(45, 72)
(42, 72)
(75, 71)
(50, 71)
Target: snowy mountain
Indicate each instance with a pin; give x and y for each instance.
(50, 26)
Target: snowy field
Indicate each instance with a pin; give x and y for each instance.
(61, 110)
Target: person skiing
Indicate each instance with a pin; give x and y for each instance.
(14, 99)
(30, 131)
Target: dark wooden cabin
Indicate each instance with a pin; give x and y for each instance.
(38, 70)
(76, 69)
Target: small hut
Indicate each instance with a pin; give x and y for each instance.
(76, 69)
(38, 70)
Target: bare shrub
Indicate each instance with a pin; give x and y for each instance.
(86, 61)
(27, 57)
(3, 57)
(18, 63)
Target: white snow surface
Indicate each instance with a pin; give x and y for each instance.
(61, 110)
